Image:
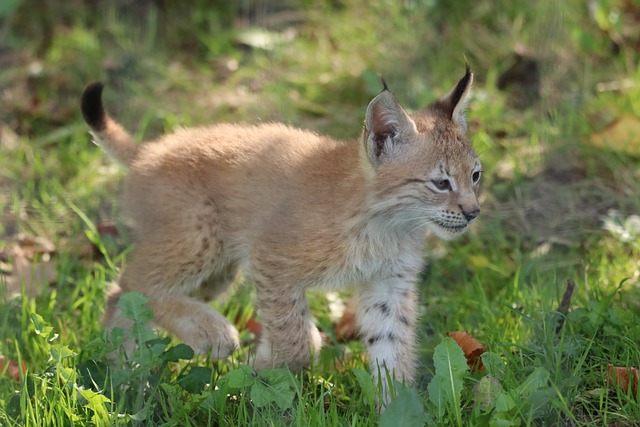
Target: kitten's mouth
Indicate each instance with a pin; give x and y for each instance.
(449, 227)
(448, 231)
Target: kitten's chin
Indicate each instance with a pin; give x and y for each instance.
(447, 233)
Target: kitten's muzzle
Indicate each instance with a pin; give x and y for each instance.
(471, 214)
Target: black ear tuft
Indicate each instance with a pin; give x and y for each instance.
(91, 105)
(460, 89)
(384, 83)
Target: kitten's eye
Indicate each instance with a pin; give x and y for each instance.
(476, 176)
(442, 184)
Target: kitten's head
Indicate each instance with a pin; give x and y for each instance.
(426, 171)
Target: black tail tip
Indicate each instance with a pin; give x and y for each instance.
(468, 73)
(91, 105)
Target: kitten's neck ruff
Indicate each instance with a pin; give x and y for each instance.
(367, 205)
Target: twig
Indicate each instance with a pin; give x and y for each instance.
(563, 308)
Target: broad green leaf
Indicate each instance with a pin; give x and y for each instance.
(159, 342)
(96, 402)
(273, 386)
(217, 399)
(209, 403)
(42, 328)
(114, 338)
(120, 376)
(98, 347)
(437, 396)
(146, 357)
(277, 376)
(486, 392)
(366, 385)
(92, 373)
(503, 422)
(133, 306)
(180, 351)
(504, 403)
(196, 379)
(144, 334)
(60, 352)
(143, 414)
(157, 351)
(263, 394)
(494, 364)
(13, 407)
(535, 381)
(241, 377)
(451, 366)
(405, 410)
(66, 375)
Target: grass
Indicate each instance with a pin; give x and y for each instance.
(557, 205)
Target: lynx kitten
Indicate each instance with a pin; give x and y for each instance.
(293, 210)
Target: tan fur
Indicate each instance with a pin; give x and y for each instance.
(294, 210)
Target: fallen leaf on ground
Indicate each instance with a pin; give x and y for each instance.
(254, 327)
(346, 328)
(14, 371)
(471, 348)
(622, 135)
(622, 377)
(107, 229)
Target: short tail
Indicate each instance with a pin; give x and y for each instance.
(108, 134)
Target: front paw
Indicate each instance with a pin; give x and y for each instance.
(220, 341)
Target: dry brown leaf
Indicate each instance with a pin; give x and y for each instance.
(254, 327)
(622, 377)
(622, 135)
(13, 370)
(107, 229)
(471, 348)
(346, 328)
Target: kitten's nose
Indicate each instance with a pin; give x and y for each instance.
(470, 215)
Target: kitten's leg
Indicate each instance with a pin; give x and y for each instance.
(386, 319)
(193, 322)
(289, 336)
(217, 284)
(196, 324)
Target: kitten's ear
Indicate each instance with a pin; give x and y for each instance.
(386, 125)
(455, 102)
